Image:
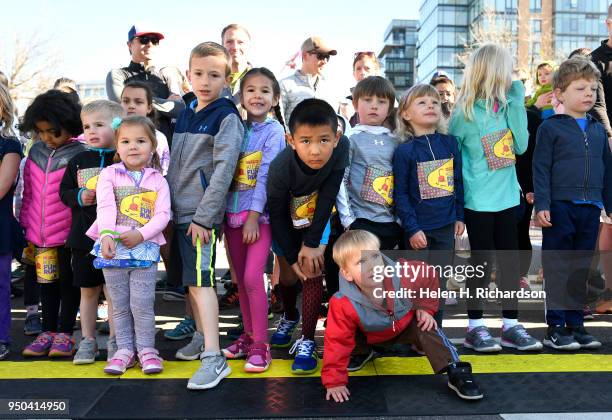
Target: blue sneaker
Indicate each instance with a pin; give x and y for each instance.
(184, 329)
(306, 359)
(284, 331)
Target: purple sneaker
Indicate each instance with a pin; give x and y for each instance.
(63, 346)
(121, 361)
(40, 346)
(238, 348)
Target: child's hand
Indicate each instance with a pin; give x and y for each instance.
(197, 231)
(530, 197)
(131, 238)
(338, 393)
(418, 240)
(311, 260)
(250, 230)
(543, 219)
(459, 228)
(88, 197)
(425, 321)
(543, 100)
(107, 246)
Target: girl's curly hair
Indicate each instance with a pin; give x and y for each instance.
(59, 109)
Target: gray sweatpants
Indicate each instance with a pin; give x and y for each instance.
(132, 291)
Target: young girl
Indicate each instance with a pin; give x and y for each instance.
(247, 228)
(133, 210)
(490, 124)
(137, 99)
(430, 208)
(54, 117)
(11, 236)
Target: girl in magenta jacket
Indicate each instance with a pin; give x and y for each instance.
(54, 117)
(133, 209)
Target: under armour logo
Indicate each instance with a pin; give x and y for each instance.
(203, 128)
(379, 142)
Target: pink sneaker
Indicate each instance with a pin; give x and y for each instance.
(238, 348)
(63, 346)
(40, 346)
(121, 361)
(150, 362)
(259, 358)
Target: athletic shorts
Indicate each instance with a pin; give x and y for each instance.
(198, 261)
(324, 241)
(83, 272)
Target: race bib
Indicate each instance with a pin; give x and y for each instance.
(302, 210)
(247, 168)
(436, 178)
(135, 205)
(499, 149)
(88, 178)
(378, 186)
(47, 270)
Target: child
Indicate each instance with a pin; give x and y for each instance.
(206, 147)
(78, 191)
(542, 97)
(370, 205)
(428, 189)
(446, 89)
(11, 236)
(137, 99)
(303, 182)
(247, 228)
(360, 309)
(55, 118)
(133, 207)
(572, 167)
(490, 124)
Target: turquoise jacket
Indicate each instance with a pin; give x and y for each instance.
(486, 189)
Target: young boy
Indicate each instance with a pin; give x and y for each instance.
(361, 309)
(205, 149)
(303, 182)
(572, 168)
(78, 191)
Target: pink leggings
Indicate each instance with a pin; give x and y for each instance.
(249, 263)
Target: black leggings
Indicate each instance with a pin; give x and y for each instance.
(524, 241)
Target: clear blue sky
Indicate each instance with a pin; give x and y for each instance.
(90, 36)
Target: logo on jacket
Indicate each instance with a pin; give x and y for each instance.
(379, 142)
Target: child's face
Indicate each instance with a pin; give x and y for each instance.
(544, 76)
(207, 77)
(98, 131)
(314, 145)
(372, 110)
(134, 102)
(364, 68)
(258, 97)
(579, 97)
(446, 92)
(423, 112)
(134, 147)
(359, 268)
(47, 134)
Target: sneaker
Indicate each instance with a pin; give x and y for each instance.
(306, 358)
(40, 346)
(4, 351)
(184, 329)
(284, 331)
(235, 333)
(480, 339)
(87, 353)
(358, 361)
(32, 326)
(259, 358)
(104, 328)
(586, 340)
(212, 370)
(524, 284)
(238, 348)
(461, 381)
(122, 360)
(518, 338)
(230, 299)
(192, 350)
(559, 338)
(63, 346)
(174, 294)
(111, 348)
(587, 315)
(150, 362)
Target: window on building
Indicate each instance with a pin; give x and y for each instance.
(535, 6)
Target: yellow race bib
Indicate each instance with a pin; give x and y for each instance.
(139, 207)
(247, 168)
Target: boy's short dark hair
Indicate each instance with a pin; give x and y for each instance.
(574, 68)
(313, 112)
(209, 48)
(60, 109)
(435, 81)
(375, 86)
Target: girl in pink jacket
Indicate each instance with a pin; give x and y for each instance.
(133, 209)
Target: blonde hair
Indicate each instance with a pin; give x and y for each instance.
(574, 68)
(7, 112)
(149, 128)
(209, 48)
(110, 108)
(404, 129)
(488, 76)
(353, 241)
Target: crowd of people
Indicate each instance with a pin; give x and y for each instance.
(285, 172)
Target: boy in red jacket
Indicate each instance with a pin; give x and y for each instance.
(365, 306)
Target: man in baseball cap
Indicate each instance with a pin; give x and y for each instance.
(140, 30)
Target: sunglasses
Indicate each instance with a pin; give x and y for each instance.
(320, 56)
(364, 53)
(144, 40)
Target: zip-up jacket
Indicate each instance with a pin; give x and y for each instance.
(44, 217)
(299, 86)
(570, 164)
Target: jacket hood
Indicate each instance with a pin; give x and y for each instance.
(588, 117)
(213, 106)
(605, 49)
(260, 126)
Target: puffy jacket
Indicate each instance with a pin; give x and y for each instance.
(44, 217)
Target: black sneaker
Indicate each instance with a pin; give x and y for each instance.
(461, 381)
(230, 298)
(358, 361)
(4, 351)
(559, 338)
(586, 340)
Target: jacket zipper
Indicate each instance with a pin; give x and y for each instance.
(44, 194)
(245, 143)
(586, 166)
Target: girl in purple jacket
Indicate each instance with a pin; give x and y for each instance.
(247, 228)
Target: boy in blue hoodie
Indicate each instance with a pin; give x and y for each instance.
(572, 168)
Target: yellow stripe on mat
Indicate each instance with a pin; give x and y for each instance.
(504, 363)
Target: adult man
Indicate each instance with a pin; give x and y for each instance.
(237, 40)
(602, 57)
